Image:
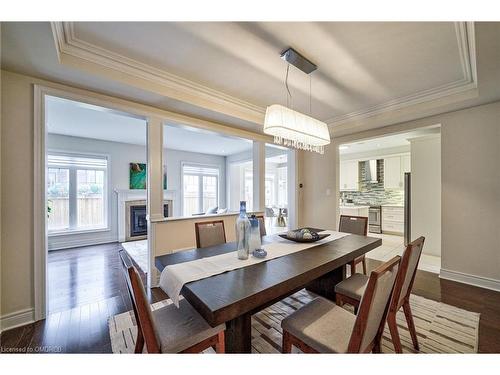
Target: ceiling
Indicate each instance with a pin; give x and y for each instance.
(70, 118)
(383, 143)
(369, 74)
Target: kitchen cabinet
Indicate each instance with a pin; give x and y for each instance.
(354, 210)
(349, 175)
(393, 220)
(394, 170)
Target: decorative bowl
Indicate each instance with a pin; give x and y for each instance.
(304, 235)
(259, 253)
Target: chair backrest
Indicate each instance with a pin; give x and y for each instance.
(210, 233)
(262, 225)
(353, 224)
(142, 310)
(407, 271)
(373, 307)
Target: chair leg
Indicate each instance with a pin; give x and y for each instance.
(411, 324)
(139, 342)
(393, 328)
(338, 300)
(353, 267)
(220, 347)
(286, 346)
(364, 266)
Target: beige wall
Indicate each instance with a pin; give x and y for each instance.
(319, 194)
(470, 156)
(426, 192)
(470, 142)
(17, 193)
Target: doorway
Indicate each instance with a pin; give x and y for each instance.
(395, 180)
(93, 157)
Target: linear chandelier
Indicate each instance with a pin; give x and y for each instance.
(292, 128)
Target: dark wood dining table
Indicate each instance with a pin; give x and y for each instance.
(233, 297)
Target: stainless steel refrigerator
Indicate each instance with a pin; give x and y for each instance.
(407, 218)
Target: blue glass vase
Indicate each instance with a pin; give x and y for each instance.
(242, 232)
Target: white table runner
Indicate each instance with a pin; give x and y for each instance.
(174, 277)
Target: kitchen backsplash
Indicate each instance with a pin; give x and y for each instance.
(373, 194)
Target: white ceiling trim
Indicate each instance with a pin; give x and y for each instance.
(467, 49)
(74, 51)
(68, 47)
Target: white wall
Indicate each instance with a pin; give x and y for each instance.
(120, 156)
(426, 192)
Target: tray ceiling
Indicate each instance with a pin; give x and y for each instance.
(364, 68)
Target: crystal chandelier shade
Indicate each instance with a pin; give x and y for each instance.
(295, 129)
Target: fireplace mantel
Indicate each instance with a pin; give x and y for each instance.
(128, 195)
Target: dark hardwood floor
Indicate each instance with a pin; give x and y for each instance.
(86, 287)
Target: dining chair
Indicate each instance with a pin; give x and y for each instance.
(321, 326)
(168, 329)
(351, 291)
(355, 225)
(262, 225)
(210, 233)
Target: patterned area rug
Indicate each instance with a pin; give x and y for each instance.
(441, 328)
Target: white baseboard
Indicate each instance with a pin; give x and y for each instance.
(464, 278)
(79, 243)
(17, 319)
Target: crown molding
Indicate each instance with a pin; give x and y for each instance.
(467, 51)
(82, 54)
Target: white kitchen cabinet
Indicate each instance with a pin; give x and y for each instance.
(393, 219)
(394, 170)
(349, 175)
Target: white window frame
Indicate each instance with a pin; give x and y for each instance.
(73, 194)
(200, 182)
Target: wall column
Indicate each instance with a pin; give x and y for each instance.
(259, 176)
(154, 186)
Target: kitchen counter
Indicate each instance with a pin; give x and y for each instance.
(353, 206)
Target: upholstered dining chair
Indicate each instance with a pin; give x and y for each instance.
(210, 233)
(262, 225)
(168, 329)
(355, 225)
(352, 289)
(321, 326)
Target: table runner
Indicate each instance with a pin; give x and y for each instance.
(174, 277)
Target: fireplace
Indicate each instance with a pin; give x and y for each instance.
(136, 221)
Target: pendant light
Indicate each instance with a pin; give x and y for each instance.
(292, 128)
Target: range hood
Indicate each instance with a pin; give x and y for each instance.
(370, 171)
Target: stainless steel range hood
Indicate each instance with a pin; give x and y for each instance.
(370, 171)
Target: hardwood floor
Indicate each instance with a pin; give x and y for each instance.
(86, 287)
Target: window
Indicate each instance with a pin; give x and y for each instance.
(200, 188)
(240, 176)
(76, 192)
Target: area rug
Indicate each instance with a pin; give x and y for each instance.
(440, 328)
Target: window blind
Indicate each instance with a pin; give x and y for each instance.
(200, 170)
(96, 162)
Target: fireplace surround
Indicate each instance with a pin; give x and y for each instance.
(128, 198)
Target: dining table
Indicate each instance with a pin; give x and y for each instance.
(234, 296)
